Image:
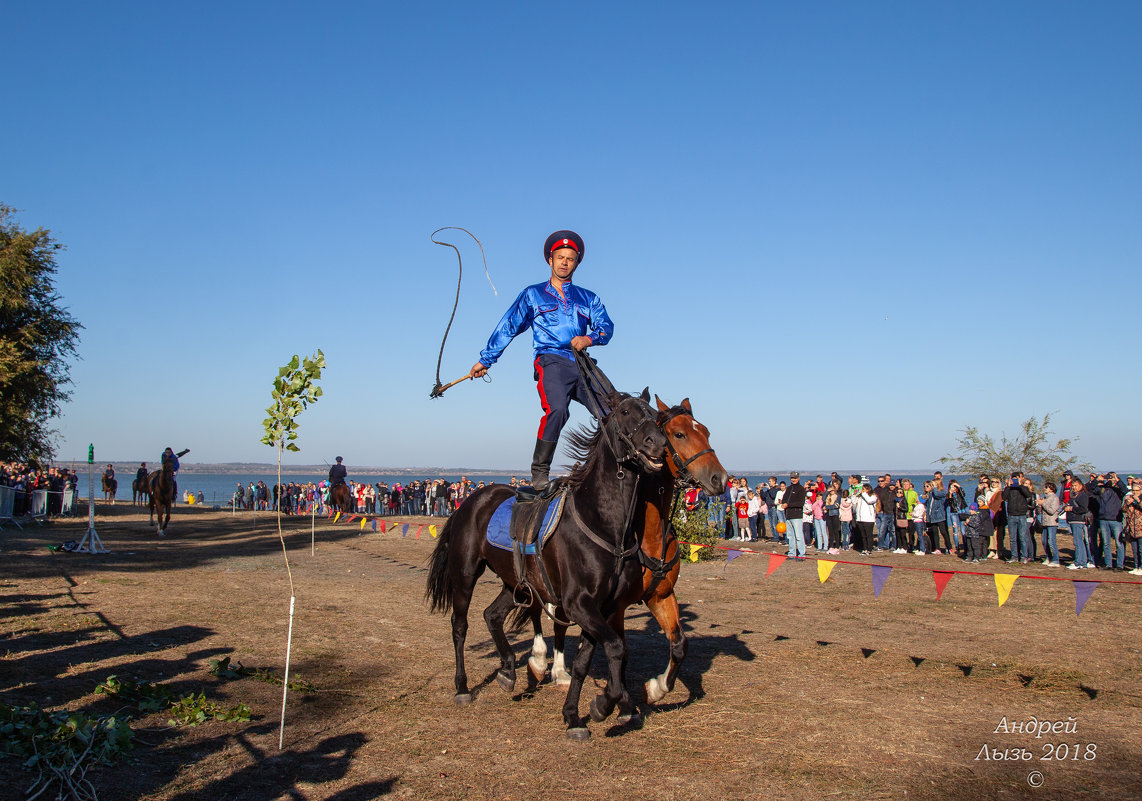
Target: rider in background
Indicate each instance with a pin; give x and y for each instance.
(337, 473)
(170, 456)
(141, 475)
(109, 474)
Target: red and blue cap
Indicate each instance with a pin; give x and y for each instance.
(563, 239)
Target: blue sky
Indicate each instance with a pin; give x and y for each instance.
(844, 230)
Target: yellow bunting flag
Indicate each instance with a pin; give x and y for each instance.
(432, 531)
(364, 520)
(824, 568)
(694, 552)
(1003, 584)
(337, 518)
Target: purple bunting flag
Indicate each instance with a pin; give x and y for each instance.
(731, 555)
(879, 576)
(1083, 591)
(404, 530)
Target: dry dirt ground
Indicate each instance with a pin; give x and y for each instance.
(792, 688)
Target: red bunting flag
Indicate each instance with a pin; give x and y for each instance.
(776, 560)
(419, 529)
(351, 518)
(942, 578)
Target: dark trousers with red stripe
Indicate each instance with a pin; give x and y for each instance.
(558, 382)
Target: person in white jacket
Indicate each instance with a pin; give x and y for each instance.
(864, 506)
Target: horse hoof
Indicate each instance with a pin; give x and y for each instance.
(505, 681)
(462, 699)
(631, 719)
(597, 713)
(561, 678)
(579, 735)
(536, 673)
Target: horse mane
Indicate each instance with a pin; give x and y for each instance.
(582, 443)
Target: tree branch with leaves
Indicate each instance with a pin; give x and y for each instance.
(294, 390)
(1032, 452)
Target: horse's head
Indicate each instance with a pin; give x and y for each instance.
(688, 443)
(634, 429)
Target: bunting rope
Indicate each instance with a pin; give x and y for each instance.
(1004, 582)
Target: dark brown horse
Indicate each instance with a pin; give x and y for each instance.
(691, 462)
(341, 498)
(110, 487)
(140, 490)
(163, 489)
(590, 559)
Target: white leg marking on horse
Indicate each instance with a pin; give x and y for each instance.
(538, 659)
(559, 673)
(550, 609)
(656, 688)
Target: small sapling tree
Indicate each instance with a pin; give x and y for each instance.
(295, 389)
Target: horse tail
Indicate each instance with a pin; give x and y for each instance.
(439, 590)
(518, 617)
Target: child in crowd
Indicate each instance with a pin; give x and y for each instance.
(921, 529)
(977, 534)
(741, 510)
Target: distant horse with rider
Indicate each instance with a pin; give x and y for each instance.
(164, 489)
(110, 487)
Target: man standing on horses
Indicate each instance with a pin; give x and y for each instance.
(337, 473)
(563, 318)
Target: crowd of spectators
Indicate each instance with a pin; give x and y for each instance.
(1007, 518)
(24, 480)
(429, 498)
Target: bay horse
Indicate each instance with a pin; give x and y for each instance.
(110, 487)
(587, 559)
(341, 498)
(140, 490)
(163, 489)
(691, 461)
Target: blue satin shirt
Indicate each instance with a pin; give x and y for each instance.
(554, 321)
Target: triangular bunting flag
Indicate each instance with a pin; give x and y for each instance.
(365, 520)
(1003, 584)
(337, 518)
(731, 555)
(1083, 590)
(776, 560)
(824, 568)
(419, 529)
(879, 576)
(432, 531)
(351, 518)
(404, 530)
(694, 552)
(383, 527)
(375, 526)
(942, 578)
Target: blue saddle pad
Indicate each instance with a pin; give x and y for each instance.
(499, 527)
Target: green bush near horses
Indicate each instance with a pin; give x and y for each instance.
(698, 528)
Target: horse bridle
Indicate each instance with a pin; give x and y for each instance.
(684, 477)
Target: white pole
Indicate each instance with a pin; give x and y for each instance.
(285, 678)
(312, 536)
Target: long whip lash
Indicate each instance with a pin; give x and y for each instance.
(438, 388)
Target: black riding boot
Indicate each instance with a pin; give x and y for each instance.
(541, 462)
